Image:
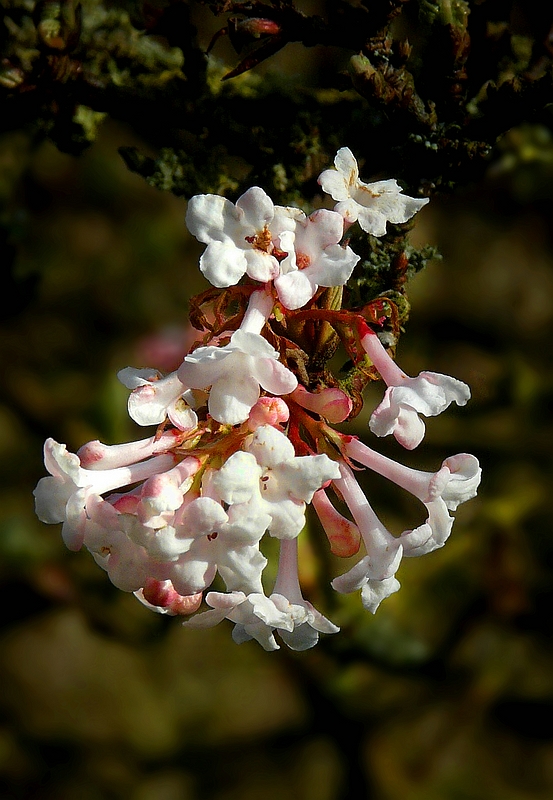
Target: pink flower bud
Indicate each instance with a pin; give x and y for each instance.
(343, 535)
(268, 411)
(163, 595)
(332, 403)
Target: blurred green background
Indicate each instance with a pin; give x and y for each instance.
(447, 693)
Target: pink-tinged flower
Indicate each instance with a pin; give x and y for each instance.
(203, 539)
(314, 256)
(162, 495)
(235, 373)
(97, 455)
(191, 518)
(160, 596)
(63, 496)
(375, 573)
(257, 617)
(269, 477)
(240, 566)
(429, 394)
(455, 482)
(370, 204)
(237, 236)
(154, 398)
(106, 536)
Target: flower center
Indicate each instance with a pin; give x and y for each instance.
(261, 240)
(365, 196)
(268, 482)
(302, 260)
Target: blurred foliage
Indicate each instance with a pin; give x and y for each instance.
(447, 693)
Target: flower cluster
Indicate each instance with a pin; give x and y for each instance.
(244, 438)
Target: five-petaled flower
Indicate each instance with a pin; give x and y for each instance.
(370, 204)
(235, 373)
(406, 398)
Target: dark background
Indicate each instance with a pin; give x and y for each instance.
(447, 692)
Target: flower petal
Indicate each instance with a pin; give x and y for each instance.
(295, 289)
(223, 264)
(232, 398)
(374, 592)
(212, 218)
(273, 376)
(257, 208)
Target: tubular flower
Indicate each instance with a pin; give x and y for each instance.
(370, 204)
(255, 617)
(63, 496)
(307, 622)
(428, 394)
(245, 442)
(153, 398)
(455, 482)
(375, 573)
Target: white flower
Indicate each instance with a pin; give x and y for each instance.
(235, 373)
(454, 483)
(314, 257)
(237, 236)
(432, 534)
(270, 478)
(374, 589)
(371, 204)
(154, 397)
(287, 597)
(106, 535)
(162, 495)
(255, 615)
(429, 394)
(63, 497)
(202, 540)
(246, 238)
(375, 573)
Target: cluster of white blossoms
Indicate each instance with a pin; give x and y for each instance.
(244, 438)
